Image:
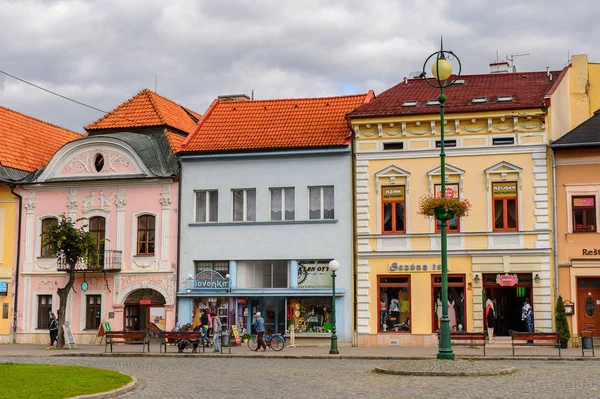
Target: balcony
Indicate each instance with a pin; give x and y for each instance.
(110, 262)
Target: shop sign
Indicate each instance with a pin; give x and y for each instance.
(588, 252)
(504, 189)
(210, 280)
(242, 301)
(314, 274)
(451, 191)
(507, 280)
(145, 302)
(393, 193)
(396, 267)
(585, 201)
(3, 288)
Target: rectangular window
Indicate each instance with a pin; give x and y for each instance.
(394, 304)
(262, 274)
(310, 315)
(93, 311)
(503, 141)
(321, 202)
(145, 235)
(451, 192)
(393, 208)
(44, 309)
(5, 310)
(207, 206)
(283, 205)
(447, 143)
(584, 214)
(47, 250)
(221, 266)
(504, 206)
(244, 205)
(393, 146)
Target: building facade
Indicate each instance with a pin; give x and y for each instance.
(122, 178)
(266, 204)
(496, 157)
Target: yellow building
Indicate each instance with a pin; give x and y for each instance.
(26, 144)
(495, 139)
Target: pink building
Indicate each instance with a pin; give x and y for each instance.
(123, 178)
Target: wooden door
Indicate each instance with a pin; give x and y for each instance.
(588, 304)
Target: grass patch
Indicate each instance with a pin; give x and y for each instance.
(54, 382)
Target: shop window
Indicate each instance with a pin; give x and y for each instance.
(97, 228)
(47, 250)
(456, 302)
(244, 205)
(504, 206)
(451, 192)
(394, 304)
(44, 309)
(283, 203)
(5, 310)
(309, 315)
(93, 311)
(145, 235)
(321, 202)
(394, 210)
(207, 206)
(262, 274)
(584, 214)
(222, 266)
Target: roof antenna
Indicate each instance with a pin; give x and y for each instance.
(511, 58)
(252, 95)
(155, 82)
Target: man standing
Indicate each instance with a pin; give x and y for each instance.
(53, 327)
(216, 324)
(259, 325)
(527, 316)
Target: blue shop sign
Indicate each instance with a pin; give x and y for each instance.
(210, 280)
(3, 288)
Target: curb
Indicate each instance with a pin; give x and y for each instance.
(114, 393)
(503, 371)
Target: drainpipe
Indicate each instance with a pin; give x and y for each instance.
(178, 239)
(18, 262)
(354, 247)
(555, 233)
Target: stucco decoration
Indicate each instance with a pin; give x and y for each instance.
(103, 202)
(129, 284)
(85, 163)
(148, 265)
(47, 283)
(46, 264)
(94, 281)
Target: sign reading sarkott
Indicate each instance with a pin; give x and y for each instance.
(210, 279)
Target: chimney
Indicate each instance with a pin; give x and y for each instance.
(233, 97)
(499, 67)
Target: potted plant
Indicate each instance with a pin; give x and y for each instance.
(443, 208)
(562, 325)
(246, 337)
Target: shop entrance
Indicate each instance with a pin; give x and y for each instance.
(143, 307)
(588, 303)
(508, 301)
(272, 310)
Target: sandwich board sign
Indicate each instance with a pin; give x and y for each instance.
(69, 337)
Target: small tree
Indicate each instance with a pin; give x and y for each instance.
(562, 326)
(72, 245)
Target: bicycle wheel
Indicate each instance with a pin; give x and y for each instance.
(253, 343)
(277, 343)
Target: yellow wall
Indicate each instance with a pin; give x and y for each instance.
(8, 206)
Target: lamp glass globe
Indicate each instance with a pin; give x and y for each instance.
(443, 69)
(334, 265)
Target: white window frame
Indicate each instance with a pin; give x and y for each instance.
(590, 190)
(208, 203)
(283, 203)
(322, 204)
(244, 204)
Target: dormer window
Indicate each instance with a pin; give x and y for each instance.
(99, 162)
(459, 82)
(433, 102)
(504, 99)
(479, 100)
(410, 103)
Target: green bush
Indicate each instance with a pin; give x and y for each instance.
(562, 326)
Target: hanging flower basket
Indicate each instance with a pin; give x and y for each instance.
(443, 208)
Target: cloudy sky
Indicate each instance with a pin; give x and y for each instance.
(103, 52)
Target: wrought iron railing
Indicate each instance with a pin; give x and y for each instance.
(109, 261)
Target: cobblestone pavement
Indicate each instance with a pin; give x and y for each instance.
(316, 378)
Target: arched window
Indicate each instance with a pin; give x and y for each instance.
(98, 231)
(145, 235)
(47, 250)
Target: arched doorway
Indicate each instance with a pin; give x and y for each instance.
(143, 306)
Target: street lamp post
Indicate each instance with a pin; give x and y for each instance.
(334, 266)
(442, 70)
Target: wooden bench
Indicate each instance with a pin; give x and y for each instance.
(173, 337)
(127, 337)
(549, 339)
(468, 339)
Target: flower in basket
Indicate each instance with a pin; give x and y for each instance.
(443, 207)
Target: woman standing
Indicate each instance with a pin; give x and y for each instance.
(216, 328)
(490, 319)
(53, 327)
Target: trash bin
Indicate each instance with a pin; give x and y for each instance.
(225, 337)
(586, 339)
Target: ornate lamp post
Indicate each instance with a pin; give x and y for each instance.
(334, 266)
(442, 69)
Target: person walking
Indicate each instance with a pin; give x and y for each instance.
(204, 324)
(216, 327)
(53, 327)
(527, 317)
(490, 319)
(259, 326)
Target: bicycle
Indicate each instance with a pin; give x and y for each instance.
(273, 341)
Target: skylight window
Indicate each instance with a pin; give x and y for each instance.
(459, 82)
(433, 102)
(504, 99)
(410, 103)
(479, 100)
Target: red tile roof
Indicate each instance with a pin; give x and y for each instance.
(274, 124)
(526, 88)
(27, 143)
(175, 140)
(147, 109)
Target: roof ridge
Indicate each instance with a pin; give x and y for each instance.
(150, 94)
(114, 110)
(41, 121)
(294, 98)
